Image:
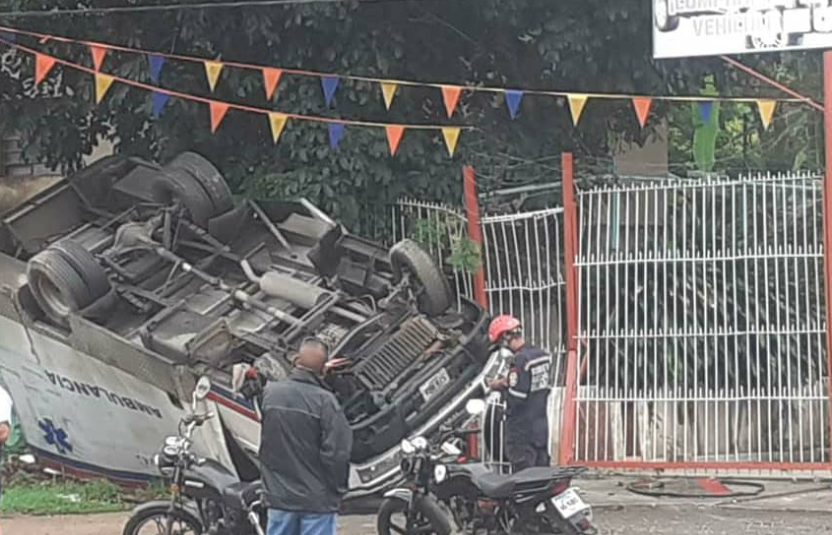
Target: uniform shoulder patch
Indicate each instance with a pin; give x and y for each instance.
(512, 379)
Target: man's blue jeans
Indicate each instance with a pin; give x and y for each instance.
(291, 523)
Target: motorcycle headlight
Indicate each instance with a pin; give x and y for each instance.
(440, 472)
(407, 447)
(420, 443)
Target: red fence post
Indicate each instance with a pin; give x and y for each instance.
(570, 245)
(827, 216)
(472, 209)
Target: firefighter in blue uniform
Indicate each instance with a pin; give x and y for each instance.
(527, 387)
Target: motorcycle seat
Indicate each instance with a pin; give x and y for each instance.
(242, 494)
(499, 486)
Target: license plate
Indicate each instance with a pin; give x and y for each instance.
(435, 384)
(569, 504)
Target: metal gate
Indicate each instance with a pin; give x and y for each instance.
(702, 326)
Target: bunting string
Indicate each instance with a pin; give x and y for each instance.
(329, 81)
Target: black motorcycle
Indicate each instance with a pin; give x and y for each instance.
(446, 493)
(205, 498)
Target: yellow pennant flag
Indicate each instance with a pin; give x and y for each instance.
(576, 106)
(388, 91)
(766, 111)
(278, 123)
(102, 84)
(213, 70)
(451, 135)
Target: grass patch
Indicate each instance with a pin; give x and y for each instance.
(66, 497)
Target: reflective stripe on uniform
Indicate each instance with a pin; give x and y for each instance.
(517, 393)
(537, 361)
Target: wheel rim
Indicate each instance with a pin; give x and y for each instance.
(397, 523)
(54, 297)
(158, 525)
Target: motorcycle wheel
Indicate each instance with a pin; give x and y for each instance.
(155, 522)
(392, 520)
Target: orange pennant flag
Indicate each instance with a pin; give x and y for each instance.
(451, 135)
(102, 84)
(388, 91)
(450, 94)
(576, 106)
(271, 77)
(394, 136)
(43, 64)
(98, 54)
(218, 111)
(213, 70)
(642, 106)
(278, 123)
(767, 108)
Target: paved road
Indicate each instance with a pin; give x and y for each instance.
(667, 520)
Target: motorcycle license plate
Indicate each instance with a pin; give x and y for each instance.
(569, 504)
(435, 384)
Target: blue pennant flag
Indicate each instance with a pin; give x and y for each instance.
(336, 132)
(513, 98)
(159, 101)
(329, 85)
(9, 37)
(705, 108)
(156, 63)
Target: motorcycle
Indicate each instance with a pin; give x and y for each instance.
(205, 498)
(446, 493)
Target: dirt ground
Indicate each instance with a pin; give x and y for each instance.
(635, 520)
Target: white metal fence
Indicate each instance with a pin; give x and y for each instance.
(703, 325)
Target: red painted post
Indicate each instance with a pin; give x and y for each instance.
(570, 243)
(827, 214)
(472, 209)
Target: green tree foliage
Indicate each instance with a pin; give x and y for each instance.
(573, 45)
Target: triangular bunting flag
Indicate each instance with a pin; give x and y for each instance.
(155, 61)
(271, 77)
(336, 132)
(278, 123)
(102, 84)
(159, 101)
(388, 91)
(705, 108)
(394, 137)
(576, 106)
(766, 111)
(329, 84)
(218, 111)
(642, 106)
(98, 53)
(513, 98)
(43, 64)
(213, 70)
(450, 94)
(451, 135)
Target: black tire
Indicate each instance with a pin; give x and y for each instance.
(661, 15)
(56, 286)
(86, 265)
(208, 176)
(142, 517)
(434, 294)
(169, 187)
(427, 512)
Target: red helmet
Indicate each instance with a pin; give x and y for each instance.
(502, 325)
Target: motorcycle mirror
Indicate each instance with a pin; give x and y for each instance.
(407, 447)
(475, 407)
(203, 387)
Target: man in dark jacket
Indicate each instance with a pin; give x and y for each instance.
(528, 385)
(305, 447)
